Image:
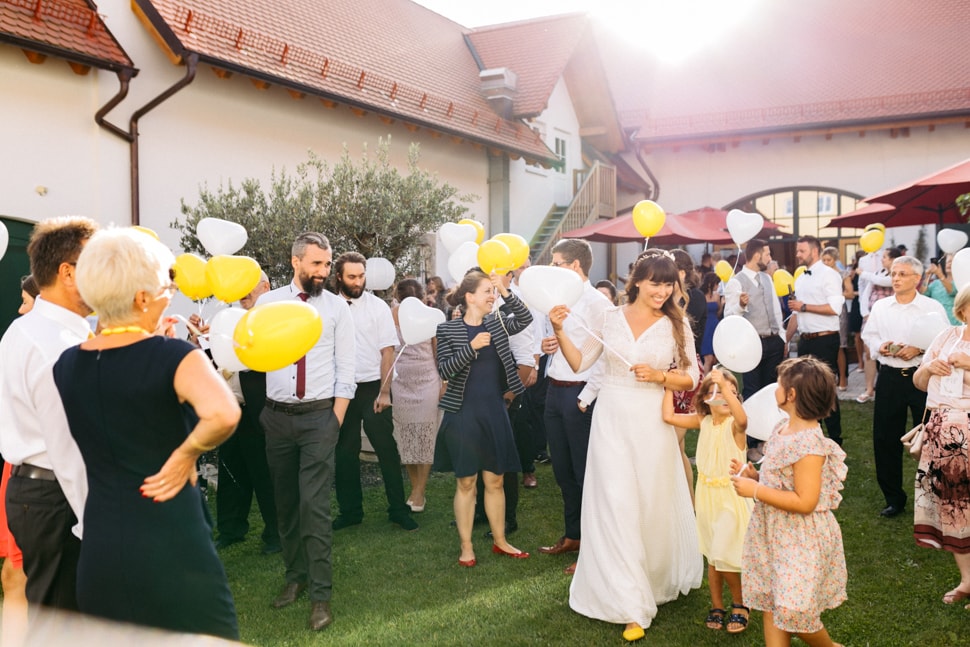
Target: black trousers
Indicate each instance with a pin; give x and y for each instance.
(379, 428)
(40, 519)
(772, 354)
(567, 429)
(895, 398)
(826, 349)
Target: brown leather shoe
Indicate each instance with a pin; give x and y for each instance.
(529, 480)
(291, 591)
(570, 570)
(320, 615)
(564, 545)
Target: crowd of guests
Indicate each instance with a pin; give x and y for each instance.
(102, 454)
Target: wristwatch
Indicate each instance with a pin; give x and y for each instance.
(803, 308)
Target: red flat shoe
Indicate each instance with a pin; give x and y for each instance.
(519, 555)
(467, 563)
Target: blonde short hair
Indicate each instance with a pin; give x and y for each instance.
(960, 303)
(114, 266)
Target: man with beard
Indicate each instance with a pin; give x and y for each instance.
(376, 339)
(305, 404)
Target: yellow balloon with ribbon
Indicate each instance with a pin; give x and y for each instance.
(494, 256)
(648, 217)
(876, 225)
(724, 271)
(518, 247)
(232, 277)
(272, 336)
(784, 282)
(146, 230)
(190, 277)
(872, 240)
(478, 227)
(798, 272)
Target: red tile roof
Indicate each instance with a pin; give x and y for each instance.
(70, 29)
(393, 57)
(794, 65)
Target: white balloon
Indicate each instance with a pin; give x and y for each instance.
(951, 240)
(221, 236)
(763, 412)
(544, 287)
(453, 235)
(380, 273)
(463, 258)
(960, 268)
(744, 226)
(4, 239)
(925, 329)
(221, 344)
(737, 345)
(418, 322)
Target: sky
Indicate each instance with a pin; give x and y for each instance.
(670, 30)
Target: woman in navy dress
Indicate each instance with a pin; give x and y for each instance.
(475, 436)
(142, 408)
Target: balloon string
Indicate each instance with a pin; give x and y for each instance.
(737, 259)
(195, 331)
(605, 345)
(390, 371)
(646, 243)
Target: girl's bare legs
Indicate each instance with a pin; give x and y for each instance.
(14, 619)
(418, 476)
(708, 363)
(734, 584)
(495, 509)
(775, 637)
(688, 471)
(465, 514)
(963, 563)
(715, 582)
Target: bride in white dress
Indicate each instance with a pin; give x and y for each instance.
(639, 535)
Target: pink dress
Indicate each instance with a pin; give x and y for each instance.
(793, 564)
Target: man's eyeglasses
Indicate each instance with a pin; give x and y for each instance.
(558, 263)
(902, 275)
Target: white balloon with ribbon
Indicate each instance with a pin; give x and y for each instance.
(544, 287)
(951, 240)
(4, 239)
(737, 345)
(221, 237)
(418, 322)
(960, 268)
(452, 235)
(463, 258)
(221, 343)
(925, 329)
(380, 273)
(743, 226)
(763, 412)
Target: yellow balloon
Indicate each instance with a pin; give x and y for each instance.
(478, 227)
(876, 225)
(799, 271)
(146, 230)
(517, 246)
(274, 335)
(232, 277)
(190, 277)
(494, 256)
(784, 282)
(872, 240)
(648, 217)
(724, 271)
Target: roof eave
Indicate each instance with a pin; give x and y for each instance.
(68, 54)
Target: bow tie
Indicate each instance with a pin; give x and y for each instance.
(809, 272)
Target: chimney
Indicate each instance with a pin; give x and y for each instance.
(498, 88)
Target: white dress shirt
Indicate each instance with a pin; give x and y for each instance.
(375, 331)
(588, 311)
(890, 320)
(330, 363)
(870, 264)
(819, 285)
(33, 425)
(732, 298)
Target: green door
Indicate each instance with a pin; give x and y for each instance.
(13, 266)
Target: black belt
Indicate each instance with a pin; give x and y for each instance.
(553, 381)
(813, 335)
(905, 371)
(768, 336)
(26, 471)
(296, 408)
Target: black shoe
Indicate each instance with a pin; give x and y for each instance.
(890, 511)
(271, 549)
(510, 527)
(345, 522)
(542, 457)
(405, 521)
(226, 542)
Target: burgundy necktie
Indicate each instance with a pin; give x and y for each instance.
(301, 364)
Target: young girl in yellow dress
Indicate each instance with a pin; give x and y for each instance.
(722, 516)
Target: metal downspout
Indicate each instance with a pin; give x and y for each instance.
(124, 78)
(643, 164)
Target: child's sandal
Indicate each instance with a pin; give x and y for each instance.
(738, 618)
(715, 619)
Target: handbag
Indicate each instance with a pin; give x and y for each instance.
(913, 439)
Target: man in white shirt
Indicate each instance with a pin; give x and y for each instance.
(887, 334)
(48, 483)
(569, 399)
(305, 404)
(371, 405)
(815, 307)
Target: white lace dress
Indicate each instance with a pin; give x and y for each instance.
(639, 537)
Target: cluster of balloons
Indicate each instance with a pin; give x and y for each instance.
(228, 278)
(465, 243)
(265, 338)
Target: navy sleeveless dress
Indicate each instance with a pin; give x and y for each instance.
(142, 562)
(479, 435)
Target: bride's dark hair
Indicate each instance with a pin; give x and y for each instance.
(658, 265)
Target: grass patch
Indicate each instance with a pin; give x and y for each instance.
(397, 588)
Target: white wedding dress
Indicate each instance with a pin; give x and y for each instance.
(639, 538)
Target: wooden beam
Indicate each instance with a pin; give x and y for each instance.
(260, 84)
(296, 94)
(79, 68)
(221, 73)
(34, 57)
(360, 112)
(328, 103)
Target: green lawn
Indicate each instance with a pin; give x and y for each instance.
(397, 588)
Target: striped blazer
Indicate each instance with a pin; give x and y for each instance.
(455, 353)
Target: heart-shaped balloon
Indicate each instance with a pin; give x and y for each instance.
(784, 282)
(544, 287)
(380, 273)
(479, 229)
(494, 256)
(191, 278)
(221, 344)
(144, 230)
(925, 328)
(763, 412)
(452, 235)
(231, 277)
(4, 239)
(951, 240)
(723, 270)
(221, 236)
(274, 335)
(463, 259)
(517, 245)
(418, 322)
(871, 240)
(744, 226)
(737, 345)
(799, 271)
(960, 268)
(876, 225)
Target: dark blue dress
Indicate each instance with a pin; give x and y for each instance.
(141, 562)
(707, 343)
(479, 435)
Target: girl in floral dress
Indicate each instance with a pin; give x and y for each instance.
(793, 563)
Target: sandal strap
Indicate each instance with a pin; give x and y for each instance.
(737, 618)
(740, 606)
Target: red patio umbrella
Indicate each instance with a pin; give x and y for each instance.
(863, 216)
(706, 224)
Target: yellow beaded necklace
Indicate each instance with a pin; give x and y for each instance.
(121, 329)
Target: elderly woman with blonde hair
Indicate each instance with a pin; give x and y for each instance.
(142, 408)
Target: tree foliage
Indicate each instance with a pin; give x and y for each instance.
(369, 207)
